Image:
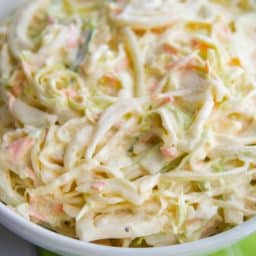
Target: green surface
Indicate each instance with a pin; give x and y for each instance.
(246, 247)
(46, 253)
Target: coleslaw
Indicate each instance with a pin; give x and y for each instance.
(129, 122)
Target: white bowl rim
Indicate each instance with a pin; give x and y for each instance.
(69, 245)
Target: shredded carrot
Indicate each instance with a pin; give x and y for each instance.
(20, 147)
(58, 208)
(17, 89)
(98, 186)
(170, 152)
(69, 93)
(196, 67)
(51, 20)
(203, 46)
(73, 37)
(169, 49)
(121, 65)
(207, 67)
(117, 11)
(167, 100)
(72, 93)
(163, 28)
(37, 216)
(119, 124)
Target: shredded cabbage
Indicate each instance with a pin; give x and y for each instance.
(129, 123)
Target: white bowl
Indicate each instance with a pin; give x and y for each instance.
(68, 246)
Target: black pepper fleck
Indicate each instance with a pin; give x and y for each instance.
(126, 229)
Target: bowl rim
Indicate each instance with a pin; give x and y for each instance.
(44, 237)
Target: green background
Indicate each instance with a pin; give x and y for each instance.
(246, 247)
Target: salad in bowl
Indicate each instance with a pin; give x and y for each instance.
(129, 123)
